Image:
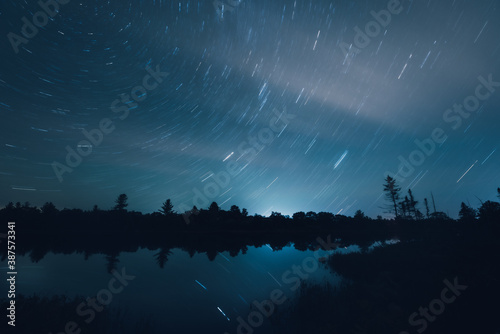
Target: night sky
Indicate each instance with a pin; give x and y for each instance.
(269, 105)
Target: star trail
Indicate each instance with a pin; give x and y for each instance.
(269, 105)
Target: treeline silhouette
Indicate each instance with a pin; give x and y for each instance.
(396, 289)
(214, 230)
(380, 288)
(215, 218)
(383, 288)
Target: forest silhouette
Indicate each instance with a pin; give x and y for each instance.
(381, 286)
(214, 230)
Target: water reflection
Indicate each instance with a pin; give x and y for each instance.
(162, 257)
(176, 290)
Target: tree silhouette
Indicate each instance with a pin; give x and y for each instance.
(426, 208)
(359, 215)
(413, 204)
(194, 210)
(404, 207)
(166, 208)
(433, 203)
(235, 211)
(498, 190)
(214, 208)
(311, 215)
(299, 216)
(277, 217)
(190, 215)
(121, 202)
(467, 214)
(489, 211)
(162, 256)
(111, 262)
(49, 209)
(392, 190)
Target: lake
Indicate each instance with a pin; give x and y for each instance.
(187, 295)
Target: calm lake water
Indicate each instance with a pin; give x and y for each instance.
(187, 295)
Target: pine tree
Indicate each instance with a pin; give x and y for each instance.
(121, 202)
(166, 208)
(427, 212)
(392, 190)
(359, 215)
(433, 203)
(413, 204)
(467, 213)
(408, 206)
(403, 208)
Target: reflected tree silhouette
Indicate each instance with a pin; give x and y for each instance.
(111, 262)
(162, 256)
(214, 231)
